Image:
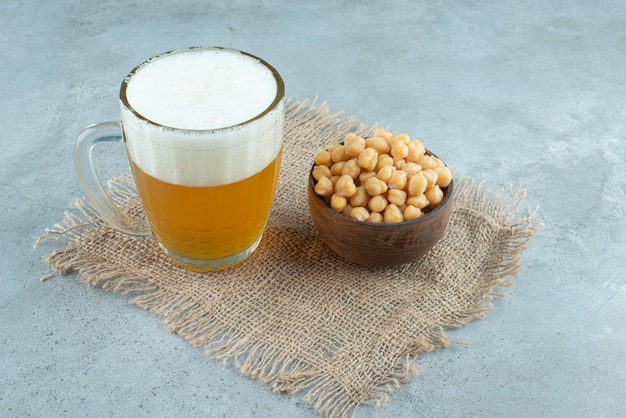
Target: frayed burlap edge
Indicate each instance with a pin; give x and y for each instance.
(272, 367)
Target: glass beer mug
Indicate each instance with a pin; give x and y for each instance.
(203, 129)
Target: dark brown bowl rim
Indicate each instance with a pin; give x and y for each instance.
(447, 192)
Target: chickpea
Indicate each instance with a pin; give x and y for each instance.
(411, 169)
(399, 163)
(377, 143)
(360, 197)
(334, 179)
(416, 150)
(368, 159)
(365, 175)
(337, 167)
(392, 214)
(431, 177)
(419, 202)
(381, 132)
(376, 218)
(404, 138)
(320, 171)
(397, 180)
(390, 140)
(338, 203)
(377, 203)
(385, 173)
(426, 161)
(438, 161)
(417, 184)
(434, 196)
(324, 187)
(396, 196)
(351, 168)
(349, 137)
(411, 212)
(375, 186)
(444, 176)
(345, 186)
(323, 158)
(360, 214)
(383, 160)
(354, 146)
(347, 210)
(399, 150)
(339, 154)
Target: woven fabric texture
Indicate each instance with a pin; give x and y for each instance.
(296, 316)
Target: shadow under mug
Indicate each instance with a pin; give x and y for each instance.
(206, 193)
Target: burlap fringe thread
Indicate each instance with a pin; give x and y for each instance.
(255, 359)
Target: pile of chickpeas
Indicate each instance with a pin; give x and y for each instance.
(384, 178)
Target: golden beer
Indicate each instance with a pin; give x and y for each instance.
(211, 223)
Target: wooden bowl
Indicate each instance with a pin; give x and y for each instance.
(382, 244)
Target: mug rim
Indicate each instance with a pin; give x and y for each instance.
(278, 98)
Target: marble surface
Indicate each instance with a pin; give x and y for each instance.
(526, 93)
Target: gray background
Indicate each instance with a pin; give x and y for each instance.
(529, 93)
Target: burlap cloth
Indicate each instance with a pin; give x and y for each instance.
(296, 316)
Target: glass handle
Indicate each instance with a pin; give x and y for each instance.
(97, 194)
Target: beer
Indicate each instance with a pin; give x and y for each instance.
(203, 131)
(208, 222)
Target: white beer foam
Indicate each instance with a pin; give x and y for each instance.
(200, 90)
